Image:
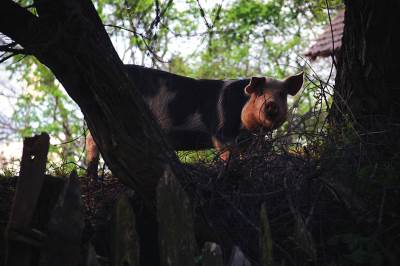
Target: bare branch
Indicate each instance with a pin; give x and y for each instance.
(203, 14)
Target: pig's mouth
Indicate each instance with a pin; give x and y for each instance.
(272, 124)
(266, 124)
(273, 116)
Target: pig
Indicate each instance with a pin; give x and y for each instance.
(199, 114)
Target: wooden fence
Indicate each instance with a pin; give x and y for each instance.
(47, 221)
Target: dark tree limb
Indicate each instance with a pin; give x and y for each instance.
(18, 23)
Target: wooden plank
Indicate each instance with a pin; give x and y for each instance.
(125, 244)
(212, 255)
(91, 257)
(51, 190)
(30, 181)
(63, 245)
(238, 258)
(20, 237)
(176, 235)
(265, 238)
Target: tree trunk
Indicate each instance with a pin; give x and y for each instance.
(367, 91)
(69, 38)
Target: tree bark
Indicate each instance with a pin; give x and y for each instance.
(69, 38)
(367, 89)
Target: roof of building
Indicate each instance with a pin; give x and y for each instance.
(324, 46)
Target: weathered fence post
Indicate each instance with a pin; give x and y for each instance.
(238, 258)
(302, 235)
(63, 245)
(91, 259)
(212, 255)
(20, 237)
(265, 238)
(174, 214)
(125, 244)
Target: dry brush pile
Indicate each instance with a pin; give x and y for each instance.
(324, 206)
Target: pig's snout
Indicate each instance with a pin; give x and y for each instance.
(271, 110)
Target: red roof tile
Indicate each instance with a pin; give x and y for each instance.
(324, 46)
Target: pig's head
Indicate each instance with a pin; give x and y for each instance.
(267, 103)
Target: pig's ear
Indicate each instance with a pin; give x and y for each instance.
(293, 84)
(255, 85)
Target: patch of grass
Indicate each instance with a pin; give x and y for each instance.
(204, 156)
(8, 171)
(64, 169)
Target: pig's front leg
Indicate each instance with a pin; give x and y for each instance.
(221, 149)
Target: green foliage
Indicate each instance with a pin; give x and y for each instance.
(204, 156)
(7, 172)
(64, 169)
(259, 37)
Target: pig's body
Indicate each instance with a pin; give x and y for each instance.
(193, 113)
(198, 114)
